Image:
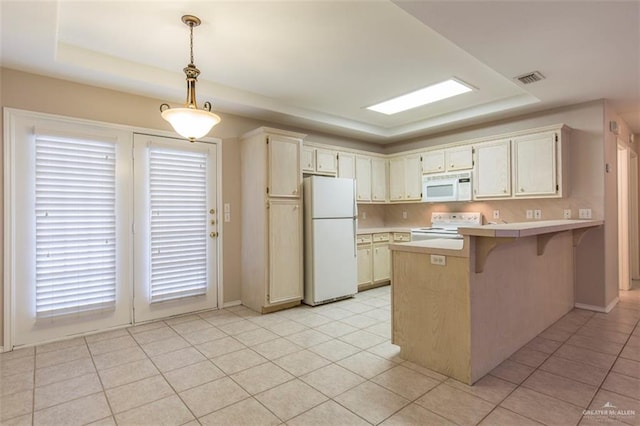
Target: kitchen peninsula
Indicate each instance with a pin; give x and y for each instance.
(461, 311)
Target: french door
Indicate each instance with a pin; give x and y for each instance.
(69, 217)
(175, 231)
(104, 228)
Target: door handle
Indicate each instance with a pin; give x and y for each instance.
(213, 234)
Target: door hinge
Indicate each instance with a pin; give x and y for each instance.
(133, 228)
(337, 156)
(267, 189)
(556, 137)
(557, 187)
(267, 141)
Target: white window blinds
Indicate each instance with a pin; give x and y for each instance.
(75, 225)
(178, 240)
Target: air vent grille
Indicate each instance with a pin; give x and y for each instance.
(530, 77)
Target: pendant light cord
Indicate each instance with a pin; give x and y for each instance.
(191, 41)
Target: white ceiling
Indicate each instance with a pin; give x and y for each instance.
(318, 64)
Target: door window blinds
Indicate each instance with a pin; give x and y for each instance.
(178, 223)
(75, 201)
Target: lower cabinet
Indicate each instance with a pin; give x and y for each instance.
(374, 258)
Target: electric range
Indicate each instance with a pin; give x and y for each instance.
(445, 225)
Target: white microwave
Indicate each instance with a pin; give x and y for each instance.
(443, 187)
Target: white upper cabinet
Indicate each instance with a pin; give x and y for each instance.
(308, 158)
(319, 161)
(492, 173)
(326, 162)
(535, 165)
(363, 178)
(433, 161)
(285, 176)
(378, 180)
(405, 178)
(447, 160)
(459, 158)
(346, 165)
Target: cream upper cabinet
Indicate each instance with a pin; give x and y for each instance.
(535, 165)
(492, 173)
(405, 178)
(396, 179)
(284, 172)
(308, 159)
(459, 158)
(433, 161)
(413, 172)
(326, 162)
(285, 251)
(363, 178)
(378, 179)
(447, 160)
(346, 165)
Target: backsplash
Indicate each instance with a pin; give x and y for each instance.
(371, 215)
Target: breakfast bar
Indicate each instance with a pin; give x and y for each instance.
(461, 307)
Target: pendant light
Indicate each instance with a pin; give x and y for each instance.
(190, 122)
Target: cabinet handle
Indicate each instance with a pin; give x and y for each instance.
(521, 189)
(439, 167)
(451, 165)
(295, 191)
(504, 190)
(320, 166)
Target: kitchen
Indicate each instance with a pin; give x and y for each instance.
(593, 147)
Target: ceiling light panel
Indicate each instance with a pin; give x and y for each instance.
(435, 92)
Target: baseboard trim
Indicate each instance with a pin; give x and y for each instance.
(232, 303)
(605, 309)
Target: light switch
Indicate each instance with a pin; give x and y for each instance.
(227, 217)
(227, 208)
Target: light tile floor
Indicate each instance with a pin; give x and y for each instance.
(326, 365)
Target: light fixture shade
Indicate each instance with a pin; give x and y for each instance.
(191, 123)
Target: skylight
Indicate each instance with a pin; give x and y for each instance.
(435, 92)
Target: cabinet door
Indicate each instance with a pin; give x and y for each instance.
(378, 179)
(396, 179)
(381, 262)
(413, 177)
(459, 158)
(364, 264)
(308, 159)
(284, 167)
(363, 178)
(346, 165)
(433, 162)
(326, 162)
(285, 251)
(535, 165)
(492, 176)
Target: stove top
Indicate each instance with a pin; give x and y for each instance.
(445, 225)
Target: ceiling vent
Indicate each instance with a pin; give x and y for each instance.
(530, 77)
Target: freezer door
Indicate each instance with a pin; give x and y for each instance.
(334, 259)
(332, 197)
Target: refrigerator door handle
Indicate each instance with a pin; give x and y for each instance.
(355, 228)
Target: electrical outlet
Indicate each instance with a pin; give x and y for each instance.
(584, 213)
(404, 215)
(537, 214)
(529, 214)
(567, 214)
(439, 260)
(364, 215)
(227, 217)
(496, 214)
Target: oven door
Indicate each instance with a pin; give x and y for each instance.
(439, 190)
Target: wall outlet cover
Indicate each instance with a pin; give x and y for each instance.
(529, 214)
(439, 260)
(567, 214)
(537, 214)
(496, 214)
(404, 215)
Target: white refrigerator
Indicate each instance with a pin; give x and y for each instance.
(330, 221)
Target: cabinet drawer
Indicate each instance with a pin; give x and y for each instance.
(401, 236)
(380, 237)
(364, 239)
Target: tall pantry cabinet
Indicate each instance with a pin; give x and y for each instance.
(272, 240)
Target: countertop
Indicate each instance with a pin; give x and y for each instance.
(382, 229)
(527, 229)
(444, 246)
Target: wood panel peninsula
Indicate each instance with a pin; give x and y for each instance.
(461, 307)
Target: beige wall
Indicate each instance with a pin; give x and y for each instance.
(49, 95)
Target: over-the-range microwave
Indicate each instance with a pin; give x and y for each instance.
(443, 187)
